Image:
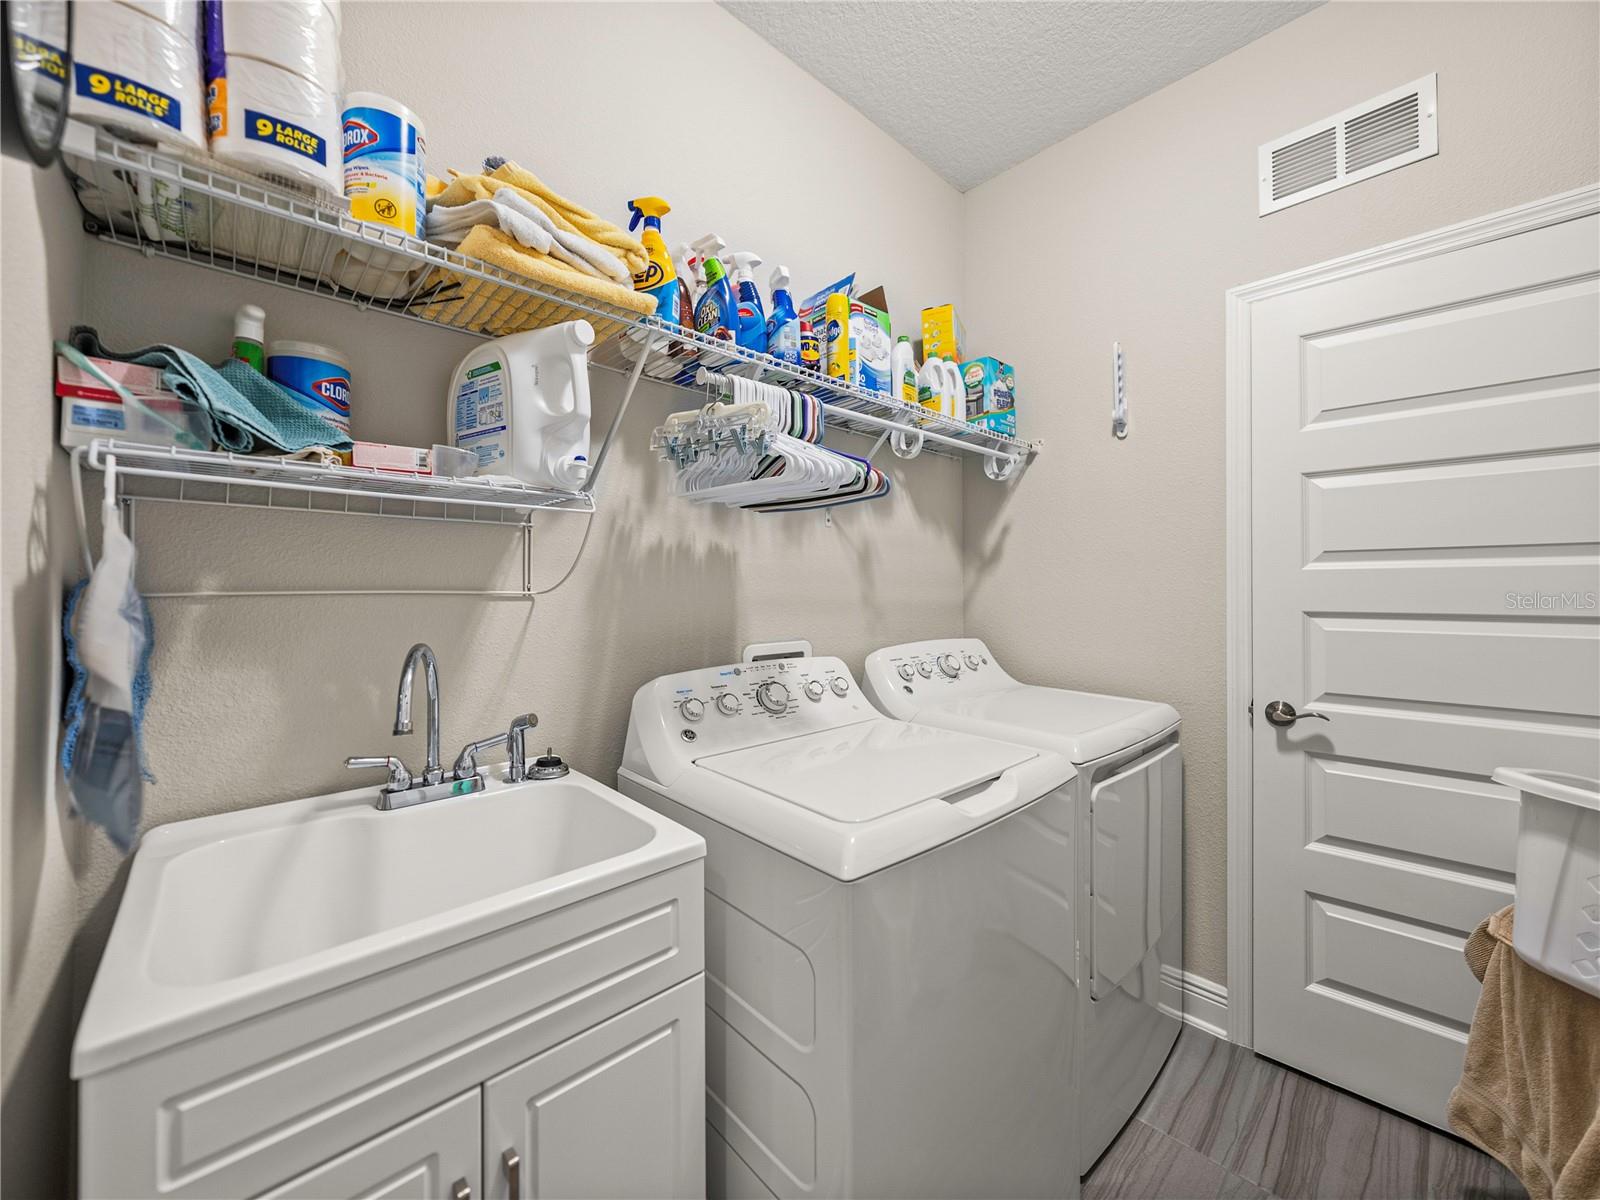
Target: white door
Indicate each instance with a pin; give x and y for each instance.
(1426, 512)
(617, 1112)
(434, 1156)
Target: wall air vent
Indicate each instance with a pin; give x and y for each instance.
(1386, 132)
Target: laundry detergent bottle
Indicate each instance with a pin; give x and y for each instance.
(930, 386)
(521, 404)
(903, 372)
(752, 332)
(659, 277)
(783, 326)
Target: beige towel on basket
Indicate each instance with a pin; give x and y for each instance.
(1530, 1088)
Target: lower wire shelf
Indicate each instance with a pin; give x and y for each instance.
(219, 477)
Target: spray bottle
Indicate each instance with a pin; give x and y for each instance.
(659, 277)
(783, 326)
(716, 313)
(752, 330)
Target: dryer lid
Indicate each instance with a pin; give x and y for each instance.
(869, 770)
(1083, 726)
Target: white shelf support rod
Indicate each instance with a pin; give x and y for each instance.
(616, 421)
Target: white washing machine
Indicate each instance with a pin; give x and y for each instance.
(1128, 830)
(890, 999)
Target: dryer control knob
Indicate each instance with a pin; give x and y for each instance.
(907, 671)
(972, 662)
(840, 685)
(692, 709)
(728, 704)
(949, 665)
(925, 669)
(813, 689)
(773, 696)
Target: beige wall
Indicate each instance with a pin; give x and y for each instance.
(1104, 565)
(258, 700)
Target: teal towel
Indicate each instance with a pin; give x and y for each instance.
(247, 410)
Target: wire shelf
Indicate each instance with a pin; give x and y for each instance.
(218, 477)
(181, 205)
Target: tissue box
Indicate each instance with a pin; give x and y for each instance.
(942, 333)
(991, 387)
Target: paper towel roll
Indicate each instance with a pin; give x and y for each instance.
(299, 35)
(280, 126)
(137, 74)
(182, 15)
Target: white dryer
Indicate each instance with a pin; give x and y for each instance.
(890, 1005)
(1128, 830)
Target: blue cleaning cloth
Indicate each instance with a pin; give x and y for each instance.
(102, 751)
(248, 411)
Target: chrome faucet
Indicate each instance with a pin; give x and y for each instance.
(433, 772)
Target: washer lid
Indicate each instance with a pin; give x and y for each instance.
(866, 771)
(1083, 726)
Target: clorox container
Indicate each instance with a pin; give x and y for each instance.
(319, 378)
(385, 155)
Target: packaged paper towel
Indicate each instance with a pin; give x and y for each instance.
(137, 74)
(299, 35)
(271, 122)
(182, 15)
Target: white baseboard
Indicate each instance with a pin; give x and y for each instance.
(1201, 1002)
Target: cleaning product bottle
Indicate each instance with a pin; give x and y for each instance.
(752, 331)
(930, 385)
(810, 348)
(783, 326)
(716, 314)
(250, 336)
(690, 281)
(955, 391)
(903, 372)
(659, 277)
(521, 404)
(835, 337)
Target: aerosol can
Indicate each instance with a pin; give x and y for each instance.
(521, 404)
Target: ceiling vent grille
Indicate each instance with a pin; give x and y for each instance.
(1386, 132)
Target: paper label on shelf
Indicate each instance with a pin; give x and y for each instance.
(274, 131)
(110, 88)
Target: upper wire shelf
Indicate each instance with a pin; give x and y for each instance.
(180, 205)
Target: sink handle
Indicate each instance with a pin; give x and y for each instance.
(399, 777)
(467, 761)
(512, 1162)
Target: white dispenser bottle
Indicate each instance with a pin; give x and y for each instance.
(521, 404)
(955, 392)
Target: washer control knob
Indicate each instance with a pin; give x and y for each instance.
(728, 704)
(692, 709)
(773, 696)
(949, 665)
(925, 669)
(972, 662)
(907, 671)
(813, 689)
(840, 685)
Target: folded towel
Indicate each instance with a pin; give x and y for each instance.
(594, 235)
(1530, 1087)
(485, 306)
(245, 407)
(447, 226)
(516, 212)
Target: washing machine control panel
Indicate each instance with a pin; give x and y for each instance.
(903, 679)
(718, 709)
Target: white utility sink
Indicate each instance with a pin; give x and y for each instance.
(231, 916)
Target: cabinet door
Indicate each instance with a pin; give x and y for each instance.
(434, 1156)
(618, 1111)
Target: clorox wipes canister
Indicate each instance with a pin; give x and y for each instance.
(318, 377)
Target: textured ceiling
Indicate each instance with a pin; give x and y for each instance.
(972, 87)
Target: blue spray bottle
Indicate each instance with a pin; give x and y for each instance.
(752, 333)
(715, 314)
(783, 326)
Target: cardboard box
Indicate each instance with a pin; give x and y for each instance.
(943, 335)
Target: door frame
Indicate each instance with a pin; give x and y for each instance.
(1566, 206)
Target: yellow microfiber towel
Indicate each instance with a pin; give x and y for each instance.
(496, 309)
(568, 216)
(1530, 1087)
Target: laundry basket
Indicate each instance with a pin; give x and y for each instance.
(1557, 926)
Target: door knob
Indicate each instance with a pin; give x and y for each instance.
(1282, 714)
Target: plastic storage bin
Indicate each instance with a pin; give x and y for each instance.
(1557, 927)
